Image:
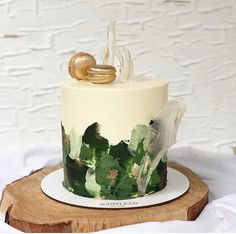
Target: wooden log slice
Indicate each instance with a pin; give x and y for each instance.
(28, 209)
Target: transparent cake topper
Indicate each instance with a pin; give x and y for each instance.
(161, 135)
(122, 53)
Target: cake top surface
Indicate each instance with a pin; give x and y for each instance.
(139, 82)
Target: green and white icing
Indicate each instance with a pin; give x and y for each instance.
(94, 168)
(129, 169)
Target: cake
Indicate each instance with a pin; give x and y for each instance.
(115, 135)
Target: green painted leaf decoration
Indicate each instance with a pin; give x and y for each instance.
(107, 171)
(153, 182)
(121, 153)
(75, 177)
(65, 143)
(91, 185)
(93, 138)
(129, 162)
(87, 156)
(138, 134)
(75, 144)
(116, 182)
(126, 186)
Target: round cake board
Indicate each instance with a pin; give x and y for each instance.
(28, 209)
(177, 185)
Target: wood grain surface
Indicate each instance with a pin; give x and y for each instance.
(28, 209)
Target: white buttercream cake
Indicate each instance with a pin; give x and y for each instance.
(117, 115)
(115, 132)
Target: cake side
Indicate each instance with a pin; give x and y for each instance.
(104, 131)
(117, 107)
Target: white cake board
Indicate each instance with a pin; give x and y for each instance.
(177, 185)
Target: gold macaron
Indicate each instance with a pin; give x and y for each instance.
(79, 65)
(101, 74)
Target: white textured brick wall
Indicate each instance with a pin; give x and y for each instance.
(191, 43)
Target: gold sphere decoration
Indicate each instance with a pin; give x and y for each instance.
(79, 65)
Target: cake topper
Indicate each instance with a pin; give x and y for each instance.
(82, 66)
(79, 64)
(101, 74)
(122, 53)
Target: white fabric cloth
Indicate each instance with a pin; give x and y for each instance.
(217, 170)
